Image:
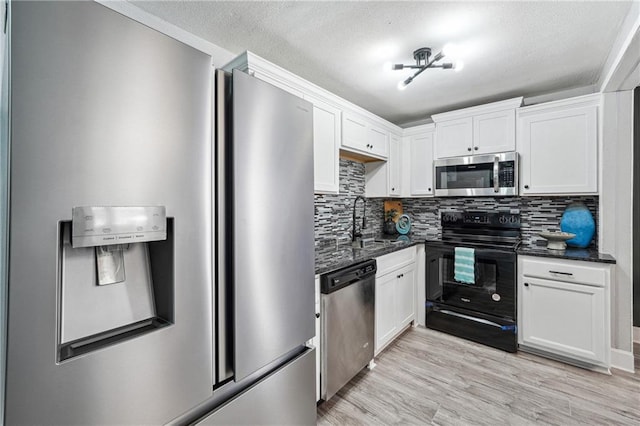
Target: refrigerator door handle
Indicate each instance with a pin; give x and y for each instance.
(223, 357)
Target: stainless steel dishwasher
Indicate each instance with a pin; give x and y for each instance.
(347, 326)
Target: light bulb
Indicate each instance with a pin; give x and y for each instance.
(459, 65)
(403, 85)
(450, 50)
(387, 66)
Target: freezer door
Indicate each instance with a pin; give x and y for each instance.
(273, 237)
(285, 397)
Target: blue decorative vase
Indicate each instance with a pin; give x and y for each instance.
(578, 220)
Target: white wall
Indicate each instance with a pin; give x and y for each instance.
(616, 208)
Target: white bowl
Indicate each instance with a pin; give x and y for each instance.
(556, 240)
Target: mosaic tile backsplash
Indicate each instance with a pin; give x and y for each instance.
(333, 213)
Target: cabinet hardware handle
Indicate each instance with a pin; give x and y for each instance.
(526, 284)
(526, 187)
(475, 147)
(393, 189)
(428, 189)
(317, 315)
(561, 273)
(469, 149)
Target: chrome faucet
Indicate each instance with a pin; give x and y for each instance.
(354, 234)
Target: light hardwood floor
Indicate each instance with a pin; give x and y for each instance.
(427, 377)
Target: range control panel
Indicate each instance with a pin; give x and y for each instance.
(479, 219)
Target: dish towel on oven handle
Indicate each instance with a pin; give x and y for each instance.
(464, 265)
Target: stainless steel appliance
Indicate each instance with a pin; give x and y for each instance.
(115, 316)
(485, 310)
(478, 175)
(264, 294)
(347, 312)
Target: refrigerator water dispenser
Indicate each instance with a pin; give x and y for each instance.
(116, 276)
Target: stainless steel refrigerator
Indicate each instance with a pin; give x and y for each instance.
(265, 245)
(117, 312)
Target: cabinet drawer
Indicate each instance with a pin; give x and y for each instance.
(565, 270)
(395, 260)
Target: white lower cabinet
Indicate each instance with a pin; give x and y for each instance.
(395, 295)
(564, 309)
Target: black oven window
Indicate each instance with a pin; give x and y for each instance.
(486, 272)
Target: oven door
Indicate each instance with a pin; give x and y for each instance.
(494, 290)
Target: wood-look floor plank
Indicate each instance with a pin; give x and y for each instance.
(427, 377)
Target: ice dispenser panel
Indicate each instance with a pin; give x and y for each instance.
(101, 226)
(116, 276)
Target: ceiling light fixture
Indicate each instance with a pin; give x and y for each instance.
(424, 60)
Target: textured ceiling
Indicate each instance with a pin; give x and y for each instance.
(509, 48)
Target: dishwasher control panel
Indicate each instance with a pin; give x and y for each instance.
(336, 280)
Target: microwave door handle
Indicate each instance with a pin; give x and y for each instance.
(496, 177)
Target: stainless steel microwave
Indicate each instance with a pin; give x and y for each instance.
(477, 175)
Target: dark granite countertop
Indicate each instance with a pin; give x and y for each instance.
(588, 254)
(331, 255)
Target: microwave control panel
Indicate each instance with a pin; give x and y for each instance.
(506, 174)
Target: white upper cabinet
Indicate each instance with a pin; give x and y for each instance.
(395, 166)
(455, 138)
(359, 135)
(327, 129)
(384, 178)
(494, 132)
(558, 146)
(417, 161)
(481, 129)
(420, 164)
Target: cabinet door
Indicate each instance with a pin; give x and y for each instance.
(454, 138)
(354, 132)
(378, 141)
(421, 164)
(394, 164)
(563, 318)
(385, 309)
(494, 132)
(326, 147)
(405, 289)
(558, 151)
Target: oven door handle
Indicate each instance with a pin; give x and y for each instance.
(496, 174)
(470, 318)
